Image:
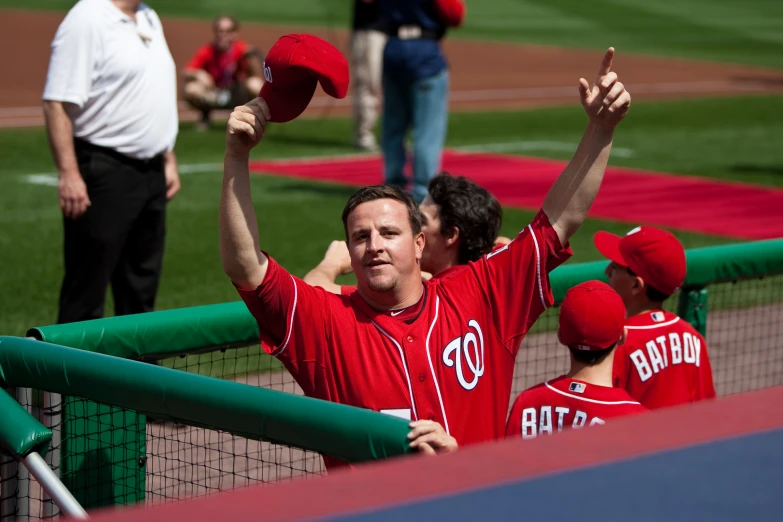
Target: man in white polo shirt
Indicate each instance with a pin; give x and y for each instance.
(110, 103)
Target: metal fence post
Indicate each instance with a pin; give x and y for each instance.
(692, 307)
(53, 487)
(52, 419)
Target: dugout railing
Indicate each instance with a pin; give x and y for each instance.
(25, 440)
(109, 451)
(733, 294)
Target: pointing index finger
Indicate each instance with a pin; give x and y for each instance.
(606, 63)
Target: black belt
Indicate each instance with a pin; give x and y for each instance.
(414, 32)
(127, 160)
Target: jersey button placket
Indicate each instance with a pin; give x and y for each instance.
(417, 359)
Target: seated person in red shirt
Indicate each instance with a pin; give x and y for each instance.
(592, 324)
(224, 73)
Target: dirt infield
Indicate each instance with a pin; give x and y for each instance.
(485, 75)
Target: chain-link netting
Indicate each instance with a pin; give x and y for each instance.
(113, 456)
(745, 334)
(744, 339)
(186, 461)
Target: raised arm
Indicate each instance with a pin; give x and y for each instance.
(336, 262)
(606, 103)
(240, 252)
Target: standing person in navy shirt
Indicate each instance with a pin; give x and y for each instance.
(415, 87)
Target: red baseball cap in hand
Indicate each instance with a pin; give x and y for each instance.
(592, 317)
(293, 67)
(653, 254)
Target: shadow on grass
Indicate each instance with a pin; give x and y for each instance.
(764, 169)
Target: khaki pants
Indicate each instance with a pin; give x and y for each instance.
(367, 57)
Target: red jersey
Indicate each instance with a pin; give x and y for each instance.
(565, 403)
(663, 362)
(452, 361)
(226, 67)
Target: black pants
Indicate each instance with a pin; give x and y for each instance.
(119, 239)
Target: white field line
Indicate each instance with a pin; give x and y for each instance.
(50, 179)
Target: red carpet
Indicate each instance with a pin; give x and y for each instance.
(632, 196)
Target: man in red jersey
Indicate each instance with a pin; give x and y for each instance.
(460, 221)
(223, 73)
(443, 349)
(591, 326)
(664, 361)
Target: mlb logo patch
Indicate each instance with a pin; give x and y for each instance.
(657, 316)
(577, 387)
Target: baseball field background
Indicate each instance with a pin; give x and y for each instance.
(706, 77)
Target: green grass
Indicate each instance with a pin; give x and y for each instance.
(726, 138)
(721, 30)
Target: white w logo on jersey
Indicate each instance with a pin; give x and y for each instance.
(474, 358)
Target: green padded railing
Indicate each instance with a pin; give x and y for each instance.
(184, 330)
(707, 265)
(20, 433)
(188, 330)
(348, 433)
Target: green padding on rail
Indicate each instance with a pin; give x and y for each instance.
(568, 276)
(345, 432)
(163, 333)
(707, 265)
(20, 433)
(188, 330)
(723, 263)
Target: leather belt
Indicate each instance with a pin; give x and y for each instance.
(414, 32)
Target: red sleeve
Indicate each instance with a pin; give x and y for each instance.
(291, 322)
(241, 47)
(516, 278)
(451, 11)
(201, 58)
(239, 55)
